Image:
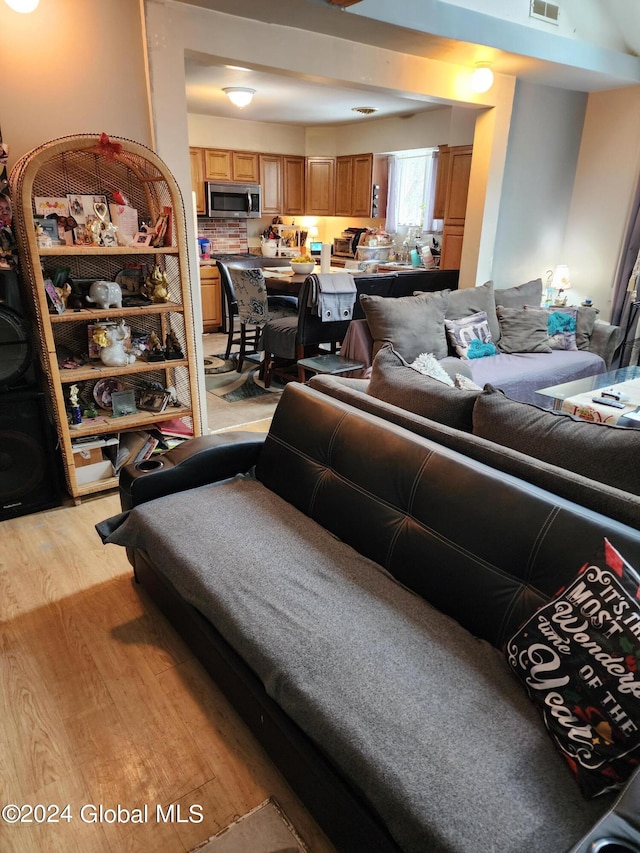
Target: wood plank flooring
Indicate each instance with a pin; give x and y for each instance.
(102, 703)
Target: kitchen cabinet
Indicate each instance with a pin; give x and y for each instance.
(442, 176)
(293, 185)
(320, 183)
(211, 297)
(361, 185)
(83, 165)
(238, 166)
(271, 181)
(196, 158)
(459, 172)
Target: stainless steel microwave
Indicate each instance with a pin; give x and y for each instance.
(233, 201)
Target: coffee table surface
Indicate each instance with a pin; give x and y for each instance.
(559, 393)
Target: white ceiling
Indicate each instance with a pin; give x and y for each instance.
(292, 100)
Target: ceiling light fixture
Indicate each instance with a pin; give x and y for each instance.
(239, 95)
(365, 111)
(481, 78)
(23, 6)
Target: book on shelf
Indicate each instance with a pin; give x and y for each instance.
(175, 428)
(130, 445)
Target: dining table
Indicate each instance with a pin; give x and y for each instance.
(283, 281)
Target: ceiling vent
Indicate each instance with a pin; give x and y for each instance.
(544, 11)
(365, 111)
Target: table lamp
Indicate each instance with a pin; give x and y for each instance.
(561, 282)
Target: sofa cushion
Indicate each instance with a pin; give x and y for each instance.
(578, 658)
(523, 330)
(584, 325)
(471, 336)
(393, 381)
(597, 451)
(529, 293)
(470, 300)
(411, 324)
(561, 325)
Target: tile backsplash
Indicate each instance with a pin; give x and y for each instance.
(226, 235)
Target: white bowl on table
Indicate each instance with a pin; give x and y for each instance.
(302, 268)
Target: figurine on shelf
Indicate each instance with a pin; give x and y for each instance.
(111, 340)
(76, 414)
(160, 285)
(154, 348)
(172, 346)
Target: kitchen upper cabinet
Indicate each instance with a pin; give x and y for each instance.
(361, 185)
(320, 186)
(293, 186)
(223, 165)
(245, 166)
(344, 185)
(196, 158)
(271, 181)
(217, 165)
(442, 177)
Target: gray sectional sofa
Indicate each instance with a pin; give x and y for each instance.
(527, 357)
(351, 586)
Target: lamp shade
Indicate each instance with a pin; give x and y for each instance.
(561, 278)
(239, 95)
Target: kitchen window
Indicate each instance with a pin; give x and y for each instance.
(412, 180)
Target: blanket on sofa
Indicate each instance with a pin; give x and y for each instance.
(423, 718)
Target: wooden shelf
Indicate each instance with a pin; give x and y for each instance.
(108, 313)
(97, 251)
(100, 371)
(127, 422)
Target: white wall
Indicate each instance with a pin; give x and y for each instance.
(73, 67)
(606, 180)
(243, 135)
(544, 142)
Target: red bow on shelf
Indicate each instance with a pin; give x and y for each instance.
(107, 148)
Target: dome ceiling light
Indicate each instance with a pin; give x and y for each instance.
(23, 6)
(481, 78)
(239, 95)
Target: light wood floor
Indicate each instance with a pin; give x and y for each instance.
(102, 703)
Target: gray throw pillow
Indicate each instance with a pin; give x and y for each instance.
(598, 451)
(584, 325)
(470, 300)
(411, 324)
(529, 293)
(523, 330)
(393, 381)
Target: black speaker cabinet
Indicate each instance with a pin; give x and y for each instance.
(29, 478)
(17, 367)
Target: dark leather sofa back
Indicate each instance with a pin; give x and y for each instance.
(480, 545)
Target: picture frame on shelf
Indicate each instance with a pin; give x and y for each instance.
(50, 228)
(44, 206)
(123, 403)
(54, 297)
(143, 238)
(153, 401)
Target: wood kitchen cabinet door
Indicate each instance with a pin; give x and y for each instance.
(293, 185)
(344, 186)
(320, 186)
(217, 164)
(458, 185)
(452, 238)
(361, 194)
(271, 181)
(196, 159)
(245, 167)
(442, 180)
(211, 298)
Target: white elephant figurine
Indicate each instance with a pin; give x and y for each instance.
(106, 294)
(111, 340)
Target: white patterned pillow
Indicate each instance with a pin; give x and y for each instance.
(465, 383)
(427, 364)
(471, 336)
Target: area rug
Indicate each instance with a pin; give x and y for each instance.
(223, 380)
(265, 829)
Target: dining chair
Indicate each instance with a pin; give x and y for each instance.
(250, 293)
(287, 340)
(279, 306)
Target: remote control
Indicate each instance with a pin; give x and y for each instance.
(605, 401)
